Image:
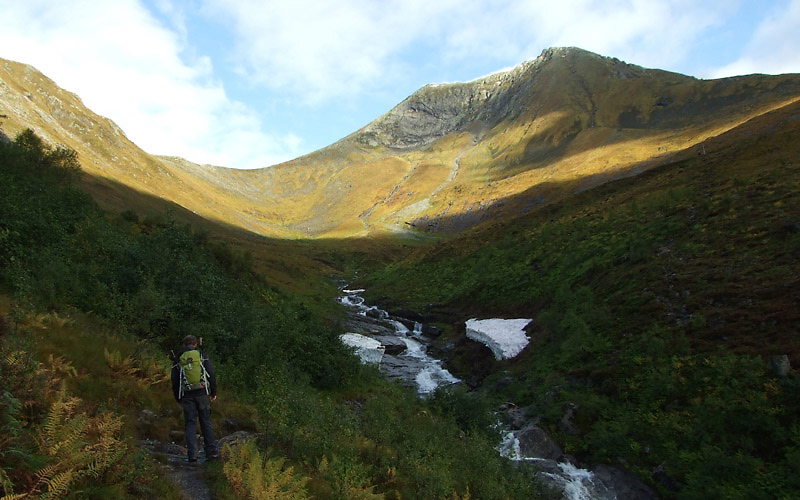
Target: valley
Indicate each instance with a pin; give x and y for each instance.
(649, 222)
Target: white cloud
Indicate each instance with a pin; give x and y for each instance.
(324, 50)
(653, 33)
(128, 66)
(320, 50)
(142, 71)
(774, 47)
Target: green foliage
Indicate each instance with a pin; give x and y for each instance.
(153, 277)
(656, 301)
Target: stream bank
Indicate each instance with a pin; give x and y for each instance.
(404, 357)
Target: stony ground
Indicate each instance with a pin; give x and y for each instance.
(189, 477)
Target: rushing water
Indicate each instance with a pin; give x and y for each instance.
(415, 368)
(574, 482)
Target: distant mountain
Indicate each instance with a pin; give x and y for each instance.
(447, 158)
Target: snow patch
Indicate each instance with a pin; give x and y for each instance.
(368, 349)
(505, 337)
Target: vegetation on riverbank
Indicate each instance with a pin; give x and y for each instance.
(91, 302)
(659, 301)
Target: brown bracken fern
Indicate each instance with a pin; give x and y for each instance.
(254, 477)
(79, 447)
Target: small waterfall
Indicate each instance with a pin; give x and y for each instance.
(401, 329)
(574, 482)
(412, 366)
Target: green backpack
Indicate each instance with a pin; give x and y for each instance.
(193, 373)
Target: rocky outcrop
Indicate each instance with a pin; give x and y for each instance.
(438, 110)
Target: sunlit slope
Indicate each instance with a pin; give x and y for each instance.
(29, 99)
(452, 155)
(446, 158)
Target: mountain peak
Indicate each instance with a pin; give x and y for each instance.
(437, 110)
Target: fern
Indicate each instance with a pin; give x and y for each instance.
(79, 447)
(254, 477)
(145, 371)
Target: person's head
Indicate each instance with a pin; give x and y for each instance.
(190, 341)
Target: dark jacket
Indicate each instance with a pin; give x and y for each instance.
(176, 376)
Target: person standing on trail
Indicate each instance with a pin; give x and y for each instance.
(195, 388)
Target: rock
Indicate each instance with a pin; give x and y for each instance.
(155, 446)
(171, 412)
(376, 313)
(431, 331)
(566, 424)
(516, 418)
(623, 483)
(391, 344)
(236, 438)
(535, 442)
(779, 366)
(177, 436)
(146, 417)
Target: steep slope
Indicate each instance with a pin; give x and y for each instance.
(113, 163)
(566, 121)
(446, 158)
(665, 311)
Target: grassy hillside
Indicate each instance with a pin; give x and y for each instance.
(90, 303)
(658, 303)
(445, 159)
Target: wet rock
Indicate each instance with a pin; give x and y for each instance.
(623, 483)
(392, 345)
(516, 418)
(376, 313)
(431, 331)
(535, 442)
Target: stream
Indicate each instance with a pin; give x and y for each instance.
(405, 357)
(401, 353)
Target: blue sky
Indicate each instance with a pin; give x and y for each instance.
(251, 83)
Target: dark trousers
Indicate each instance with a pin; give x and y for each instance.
(198, 407)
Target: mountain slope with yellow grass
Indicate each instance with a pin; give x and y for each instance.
(446, 158)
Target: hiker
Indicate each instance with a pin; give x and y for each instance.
(195, 388)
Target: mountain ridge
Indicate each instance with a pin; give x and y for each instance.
(565, 121)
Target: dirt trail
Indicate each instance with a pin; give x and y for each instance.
(189, 477)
